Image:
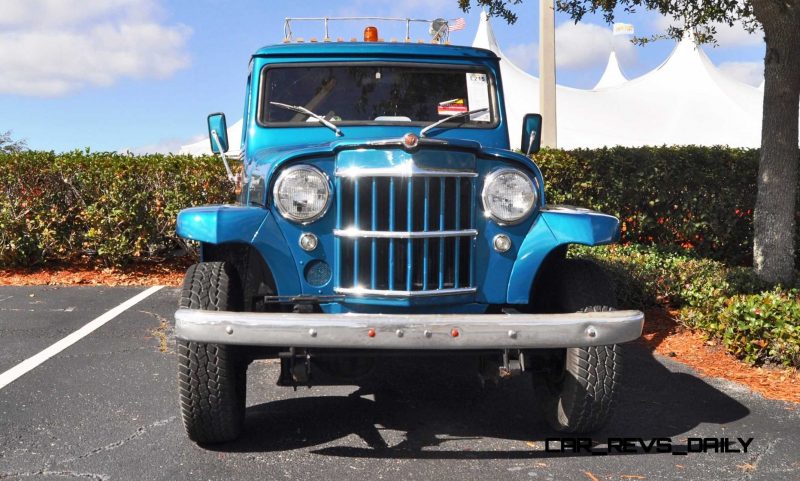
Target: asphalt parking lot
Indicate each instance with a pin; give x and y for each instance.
(105, 408)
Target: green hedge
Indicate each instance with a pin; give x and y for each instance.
(113, 207)
(119, 207)
(694, 197)
(755, 323)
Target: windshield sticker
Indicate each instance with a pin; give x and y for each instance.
(478, 96)
(452, 106)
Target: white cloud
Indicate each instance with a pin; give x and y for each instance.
(52, 47)
(748, 72)
(726, 36)
(737, 36)
(586, 45)
(524, 55)
(578, 47)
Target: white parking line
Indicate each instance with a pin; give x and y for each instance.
(32, 362)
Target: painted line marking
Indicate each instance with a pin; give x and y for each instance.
(32, 362)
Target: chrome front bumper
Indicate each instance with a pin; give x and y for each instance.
(409, 331)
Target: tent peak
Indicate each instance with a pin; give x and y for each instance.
(484, 37)
(612, 76)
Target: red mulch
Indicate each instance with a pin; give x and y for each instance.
(166, 273)
(662, 333)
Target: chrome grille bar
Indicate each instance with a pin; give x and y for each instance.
(358, 291)
(391, 228)
(402, 170)
(355, 242)
(442, 189)
(337, 268)
(474, 187)
(409, 244)
(426, 242)
(457, 247)
(374, 226)
(382, 234)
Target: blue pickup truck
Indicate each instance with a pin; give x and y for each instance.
(382, 213)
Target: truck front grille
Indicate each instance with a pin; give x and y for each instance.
(405, 235)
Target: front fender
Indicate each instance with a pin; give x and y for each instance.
(556, 226)
(220, 224)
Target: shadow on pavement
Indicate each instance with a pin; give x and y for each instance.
(434, 401)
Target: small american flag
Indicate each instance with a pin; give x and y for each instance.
(459, 24)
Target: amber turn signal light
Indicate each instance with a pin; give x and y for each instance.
(370, 34)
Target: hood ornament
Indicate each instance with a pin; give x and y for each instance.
(410, 140)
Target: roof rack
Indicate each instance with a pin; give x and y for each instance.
(439, 28)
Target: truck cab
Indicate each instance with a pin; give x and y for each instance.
(380, 213)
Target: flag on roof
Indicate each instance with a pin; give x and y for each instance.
(623, 29)
(459, 24)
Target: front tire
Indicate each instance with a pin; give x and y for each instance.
(212, 378)
(578, 391)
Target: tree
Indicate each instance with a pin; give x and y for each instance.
(9, 145)
(774, 222)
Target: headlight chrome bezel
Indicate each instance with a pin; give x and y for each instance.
(491, 178)
(282, 177)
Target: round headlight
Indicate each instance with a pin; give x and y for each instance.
(508, 196)
(302, 193)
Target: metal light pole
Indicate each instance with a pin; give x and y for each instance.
(547, 71)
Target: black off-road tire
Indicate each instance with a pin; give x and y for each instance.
(212, 378)
(578, 394)
(579, 284)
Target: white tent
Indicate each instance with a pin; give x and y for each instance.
(203, 147)
(686, 100)
(612, 76)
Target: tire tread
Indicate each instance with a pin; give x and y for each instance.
(211, 377)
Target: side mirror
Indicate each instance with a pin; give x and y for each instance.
(218, 133)
(531, 133)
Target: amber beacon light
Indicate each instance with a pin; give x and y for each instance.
(371, 34)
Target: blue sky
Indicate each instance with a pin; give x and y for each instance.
(143, 74)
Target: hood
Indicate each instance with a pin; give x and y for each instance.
(268, 160)
(271, 158)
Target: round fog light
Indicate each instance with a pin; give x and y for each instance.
(308, 241)
(318, 273)
(501, 243)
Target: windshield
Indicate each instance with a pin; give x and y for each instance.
(376, 94)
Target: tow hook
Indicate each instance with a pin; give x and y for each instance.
(513, 364)
(295, 368)
(512, 367)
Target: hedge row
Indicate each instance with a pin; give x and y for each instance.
(114, 207)
(120, 207)
(700, 198)
(757, 324)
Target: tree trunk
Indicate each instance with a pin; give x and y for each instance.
(774, 221)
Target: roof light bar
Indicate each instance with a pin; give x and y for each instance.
(441, 32)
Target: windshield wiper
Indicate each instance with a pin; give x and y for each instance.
(303, 110)
(451, 117)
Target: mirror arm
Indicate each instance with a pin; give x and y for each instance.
(530, 143)
(231, 177)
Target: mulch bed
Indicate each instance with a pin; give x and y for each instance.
(165, 273)
(662, 332)
(666, 336)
